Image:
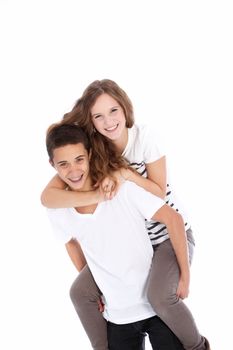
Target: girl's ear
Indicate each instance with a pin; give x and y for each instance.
(89, 155)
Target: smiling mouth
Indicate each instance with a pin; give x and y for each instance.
(113, 128)
(76, 180)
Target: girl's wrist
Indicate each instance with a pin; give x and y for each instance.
(129, 175)
(125, 174)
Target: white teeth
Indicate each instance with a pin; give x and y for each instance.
(76, 178)
(112, 128)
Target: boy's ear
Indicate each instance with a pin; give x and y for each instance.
(51, 162)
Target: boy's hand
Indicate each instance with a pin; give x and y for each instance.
(100, 305)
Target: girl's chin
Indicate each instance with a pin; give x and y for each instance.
(113, 136)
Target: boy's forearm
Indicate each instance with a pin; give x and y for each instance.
(76, 254)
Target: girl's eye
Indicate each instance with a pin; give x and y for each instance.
(97, 116)
(114, 110)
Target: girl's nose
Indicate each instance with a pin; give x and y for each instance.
(108, 120)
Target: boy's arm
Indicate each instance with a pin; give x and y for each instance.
(76, 254)
(176, 229)
(55, 195)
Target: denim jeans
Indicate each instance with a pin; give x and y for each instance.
(131, 336)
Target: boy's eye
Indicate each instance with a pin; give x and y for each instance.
(63, 165)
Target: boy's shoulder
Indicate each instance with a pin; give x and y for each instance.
(129, 188)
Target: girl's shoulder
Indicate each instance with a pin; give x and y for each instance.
(149, 141)
(145, 133)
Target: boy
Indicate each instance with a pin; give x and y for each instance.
(115, 242)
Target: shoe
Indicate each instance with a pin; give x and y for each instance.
(207, 344)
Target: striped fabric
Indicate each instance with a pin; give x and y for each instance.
(157, 232)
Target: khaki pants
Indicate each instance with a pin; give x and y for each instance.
(163, 281)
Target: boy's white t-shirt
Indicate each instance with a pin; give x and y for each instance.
(117, 247)
(142, 149)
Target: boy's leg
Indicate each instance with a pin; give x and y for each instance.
(126, 336)
(84, 294)
(163, 282)
(161, 337)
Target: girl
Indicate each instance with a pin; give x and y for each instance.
(106, 114)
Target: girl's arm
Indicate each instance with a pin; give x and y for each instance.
(76, 254)
(55, 195)
(156, 181)
(176, 230)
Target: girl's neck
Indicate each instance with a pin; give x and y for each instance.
(122, 141)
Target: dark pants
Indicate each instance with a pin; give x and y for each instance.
(131, 336)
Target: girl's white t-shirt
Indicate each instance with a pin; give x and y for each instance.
(140, 150)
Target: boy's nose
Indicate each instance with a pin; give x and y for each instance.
(75, 168)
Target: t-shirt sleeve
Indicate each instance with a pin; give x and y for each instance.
(59, 225)
(149, 142)
(146, 203)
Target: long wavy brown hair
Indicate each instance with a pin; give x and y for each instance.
(105, 157)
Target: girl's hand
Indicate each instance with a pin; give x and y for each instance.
(183, 288)
(109, 188)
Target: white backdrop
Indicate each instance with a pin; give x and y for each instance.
(174, 59)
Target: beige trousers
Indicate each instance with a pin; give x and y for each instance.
(163, 281)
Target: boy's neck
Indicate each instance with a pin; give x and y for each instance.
(87, 209)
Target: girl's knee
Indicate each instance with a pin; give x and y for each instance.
(161, 300)
(77, 292)
(84, 291)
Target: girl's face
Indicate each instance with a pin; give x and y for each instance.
(108, 118)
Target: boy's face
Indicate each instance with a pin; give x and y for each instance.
(72, 165)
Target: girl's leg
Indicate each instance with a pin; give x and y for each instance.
(163, 282)
(84, 294)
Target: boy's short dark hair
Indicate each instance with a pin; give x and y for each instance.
(59, 135)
